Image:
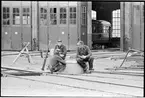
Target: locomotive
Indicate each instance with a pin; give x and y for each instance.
(101, 33)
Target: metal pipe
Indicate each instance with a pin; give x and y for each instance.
(140, 27)
(31, 24)
(38, 24)
(68, 27)
(21, 23)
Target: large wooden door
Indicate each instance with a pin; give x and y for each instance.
(6, 28)
(73, 34)
(63, 23)
(54, 33)
(26, 23)
(84, 22)
(43, 26)
(16, 28)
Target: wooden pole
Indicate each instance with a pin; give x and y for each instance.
(43, 66)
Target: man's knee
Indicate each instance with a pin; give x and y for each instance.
(91, 59)
(79, 60)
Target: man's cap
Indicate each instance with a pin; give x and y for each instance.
(81, 42)
(59, 40)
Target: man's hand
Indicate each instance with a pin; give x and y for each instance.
(83, 57)
(61, 55)
(58, 50)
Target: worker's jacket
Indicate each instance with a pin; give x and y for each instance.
(55, 61)
(62, 49)
(83, 50)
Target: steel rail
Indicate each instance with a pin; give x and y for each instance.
(58, 75)
(65, 85)
(101, 72)
(79, 75)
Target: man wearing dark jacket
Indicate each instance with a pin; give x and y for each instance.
(61, 49)
(84, 55)
(56, 63)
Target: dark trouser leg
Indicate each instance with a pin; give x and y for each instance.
(63, 57)
(90, 60)
(60, 67)
(82, 63)
(54, 68)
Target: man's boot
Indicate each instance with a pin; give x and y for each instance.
(86, 70)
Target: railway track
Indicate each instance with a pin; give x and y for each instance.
(70, 86)
(66, 76)
(73, 77)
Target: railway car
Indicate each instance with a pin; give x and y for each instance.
(101, 32)
(41, 22)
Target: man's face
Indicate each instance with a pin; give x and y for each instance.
(59, 43)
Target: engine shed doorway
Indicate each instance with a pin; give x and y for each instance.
(109, 12)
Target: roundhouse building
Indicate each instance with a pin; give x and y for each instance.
(39, 22)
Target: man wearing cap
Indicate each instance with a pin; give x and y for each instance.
(84, 55)
(61, 49)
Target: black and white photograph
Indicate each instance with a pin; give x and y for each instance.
(72, 48)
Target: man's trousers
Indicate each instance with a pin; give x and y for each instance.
(82, 62)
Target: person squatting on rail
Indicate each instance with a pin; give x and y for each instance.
(61, 49)
(84, 55)
(56, 63)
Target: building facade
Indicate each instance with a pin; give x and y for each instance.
(41, 22)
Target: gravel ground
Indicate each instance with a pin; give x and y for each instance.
(74, 85)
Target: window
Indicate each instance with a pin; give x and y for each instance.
(63, 16)
(16, 16)
(6, 16)
(116, 23)
(93, 15)
(53, 16)
(105, 29)
(26, 16)
(72, 11)
(43, 16)
(84, 15)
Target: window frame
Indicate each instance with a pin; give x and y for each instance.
(4, 21)
(83, 15)
(27, 15)
(63, 20)
(72, 20)
(13, 18)
(43, 20)
(52, 14)
(116, 23)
